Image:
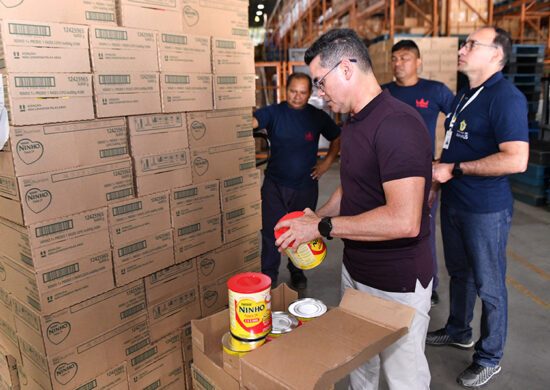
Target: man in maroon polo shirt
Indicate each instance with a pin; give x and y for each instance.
(380, 209)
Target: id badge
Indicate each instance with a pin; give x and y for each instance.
(447, 141)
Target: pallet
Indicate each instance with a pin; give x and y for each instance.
(524, 79)
(525, 197)
(529, 88)
(528, 50)
(530, 189)
(532, 97)
(533, 106)
(520, 67)
(539, 153)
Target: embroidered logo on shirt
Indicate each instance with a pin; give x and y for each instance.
(462, 125)
(422, 103)
(461, 133)
(309, 136)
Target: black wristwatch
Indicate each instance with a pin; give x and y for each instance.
(325, 227)
(457, 171)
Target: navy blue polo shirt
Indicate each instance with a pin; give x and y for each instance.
(387, 140)
(498, 114)
(294, 136)
(428, 97)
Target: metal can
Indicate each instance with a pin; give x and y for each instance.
(307, 309)
(309, 255)
(237, 347)
(249, 305)
(282, 323)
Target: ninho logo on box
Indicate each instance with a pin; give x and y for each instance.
(65, 372)
(38, 200)
(29, 151)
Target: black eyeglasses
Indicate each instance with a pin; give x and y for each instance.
(321, 83)
(469, 44)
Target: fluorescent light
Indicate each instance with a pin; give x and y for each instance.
(261, 6)
(257, 19)
(259, 13)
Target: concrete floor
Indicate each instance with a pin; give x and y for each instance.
(526, 361)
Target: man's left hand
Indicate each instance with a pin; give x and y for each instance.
(319, 169)
(300, 230)
(442, 172)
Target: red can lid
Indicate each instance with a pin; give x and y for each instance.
(249, 282)
(292, 215)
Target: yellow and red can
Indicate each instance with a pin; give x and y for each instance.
(249, 305)
(309, 255)
(236, 347)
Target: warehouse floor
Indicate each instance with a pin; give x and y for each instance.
(526, 362)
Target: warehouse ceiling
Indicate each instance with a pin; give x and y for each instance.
(265, 7)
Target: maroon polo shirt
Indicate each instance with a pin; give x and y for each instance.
(387, 140)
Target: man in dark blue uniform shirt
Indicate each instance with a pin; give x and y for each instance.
(429, 98)
(486, 139)
(292, 173)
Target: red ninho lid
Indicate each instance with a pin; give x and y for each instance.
(292, 215)
(249, 282)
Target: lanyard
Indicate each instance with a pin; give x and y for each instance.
(457, 112)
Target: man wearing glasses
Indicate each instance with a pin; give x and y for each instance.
(486, 139)
(380, 209)
(292, 173)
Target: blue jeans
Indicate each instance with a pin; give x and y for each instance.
(277, 201)
(475, 256)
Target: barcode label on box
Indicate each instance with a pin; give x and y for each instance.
(176, 79)
(225, 44)
(118, 35)
(100, 16)
(131, 311)
(186, 193)
(35, 82)
(176, 39)
(108, 79)
(112, 152)
(137, 347)
(54, 228)
(189, 229)
(144, 356)
(136, 247)
(127, 208)
(119, 194)
(88, 386)
(227, 80)
(60, 273)
(233, 182)
(234, 214)
(29, 29)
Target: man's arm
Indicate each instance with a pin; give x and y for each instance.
(400, 217)
(332, 207)
(323, 165)
(255, 123)
(512, 158)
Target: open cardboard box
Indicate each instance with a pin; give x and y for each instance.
(313, 356)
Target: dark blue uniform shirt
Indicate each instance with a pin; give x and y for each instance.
(428, 97)
(294, 136)
(498, 114)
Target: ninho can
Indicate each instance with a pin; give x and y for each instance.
(236, 347)
(309, 255)
(307, 309)
(249, 305)
(283, 323)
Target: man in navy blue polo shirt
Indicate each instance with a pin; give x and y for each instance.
(381, 208)
(486, 139)
(292, 173)
(429, 98)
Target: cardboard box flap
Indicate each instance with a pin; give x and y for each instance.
(381, 311)
(319, 353)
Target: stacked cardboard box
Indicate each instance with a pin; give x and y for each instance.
(103, 221)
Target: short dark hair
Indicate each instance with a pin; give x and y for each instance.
(406, 44)
(505, 42)
(299, 75)
(336, 45)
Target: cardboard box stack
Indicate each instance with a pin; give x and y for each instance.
(120, 175)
